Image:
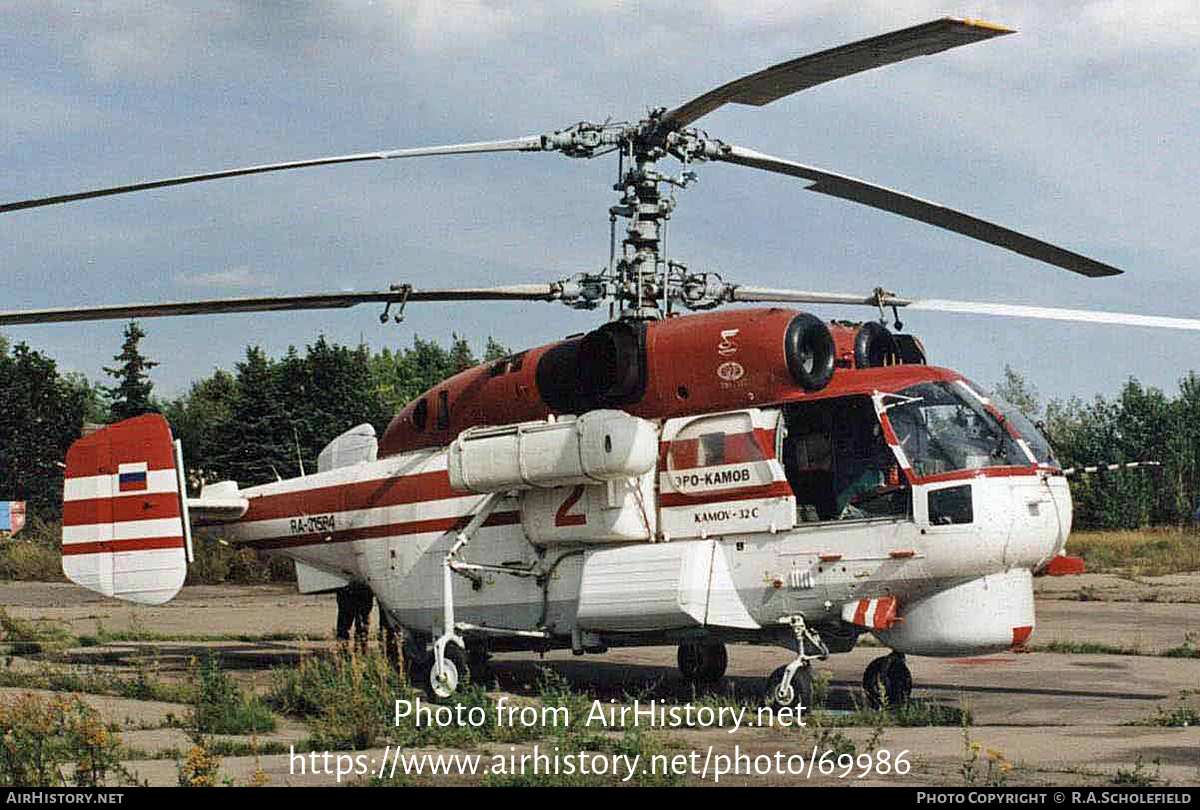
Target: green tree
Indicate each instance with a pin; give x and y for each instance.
(1015, 390)
(131, 395)
(197, 419)
(40, 416)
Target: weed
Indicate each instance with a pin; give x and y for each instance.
(987, 767)
(1138, 776)
(1183, 717)
(201, 768)
(219, 707)
(30, 638)
(144, 685)
(1187, 649)
(1085, 648)
(57, 742)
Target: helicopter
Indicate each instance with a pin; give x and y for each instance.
(755, 475)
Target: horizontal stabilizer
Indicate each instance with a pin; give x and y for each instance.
(125, 531)
(218, 503)
(314, 580)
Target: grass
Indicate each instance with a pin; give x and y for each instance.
(1182, 717)
(30, 638)
(350, 702)
(1086, 648)
(143, 684)
(103, 637)
(220, 707)
(1145, 552)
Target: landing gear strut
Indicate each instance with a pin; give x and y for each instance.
(791, 686)
(796, 692)
(887, 681)
(702, 662)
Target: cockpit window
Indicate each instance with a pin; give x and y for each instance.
(941, 429)
(1016, 420)
(1038, 445)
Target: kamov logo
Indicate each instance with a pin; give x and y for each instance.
(731, 371)
(727, 347)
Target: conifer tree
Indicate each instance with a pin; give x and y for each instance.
(131, 395)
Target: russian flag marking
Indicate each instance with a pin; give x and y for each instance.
(131, 477)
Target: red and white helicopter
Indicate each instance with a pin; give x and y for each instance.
(753, 475)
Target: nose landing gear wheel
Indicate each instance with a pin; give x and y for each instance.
(797, 692)
(887, 681)
(455, 674)
(703, 662)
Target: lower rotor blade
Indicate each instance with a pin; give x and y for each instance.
(767, 295)
(860, 191)
(526, 144)
(520, 292)
(1053, 314)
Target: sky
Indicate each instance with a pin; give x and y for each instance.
(1080, 129)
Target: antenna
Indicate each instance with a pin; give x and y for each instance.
(299, 458)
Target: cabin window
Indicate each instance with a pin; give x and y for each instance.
(838, 463)
(443, 420)
(727, 439)
(420, 415)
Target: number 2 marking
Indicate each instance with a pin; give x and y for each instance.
(561, 518)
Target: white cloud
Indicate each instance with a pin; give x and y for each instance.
(233, 278)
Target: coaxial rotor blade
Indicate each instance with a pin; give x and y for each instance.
(906, 205)
(339, 300)
(798, 74)
(1054, 314)
(738, 293)
(744, 294)
(530, 143)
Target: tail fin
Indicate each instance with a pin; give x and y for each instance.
(125, 525)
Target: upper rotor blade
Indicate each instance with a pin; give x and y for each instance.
(1054, 314)
(527, 144)
(340, 300)
(897, 202)
(789, 77)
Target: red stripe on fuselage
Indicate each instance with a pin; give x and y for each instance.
(395, 491)
(385, 530)
(776, 489)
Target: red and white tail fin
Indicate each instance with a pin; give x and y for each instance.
(125, 523)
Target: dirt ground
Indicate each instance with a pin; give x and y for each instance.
(1055, 718)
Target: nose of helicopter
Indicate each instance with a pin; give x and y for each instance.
(1041, 510)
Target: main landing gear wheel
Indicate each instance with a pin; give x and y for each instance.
(797, 692)
(703, 662)
(887, 681)
(454, 676)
